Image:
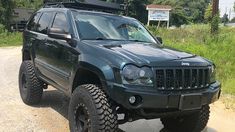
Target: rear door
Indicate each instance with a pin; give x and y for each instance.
(30, 34)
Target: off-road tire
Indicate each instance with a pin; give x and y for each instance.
(194, 122)
(100, 113)
(30, 86)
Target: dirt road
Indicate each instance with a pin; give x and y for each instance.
(51, 114)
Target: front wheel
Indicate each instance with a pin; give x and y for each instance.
(90, 110)
(194, 122)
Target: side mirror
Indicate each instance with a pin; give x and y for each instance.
(159, 39)
(58, 33)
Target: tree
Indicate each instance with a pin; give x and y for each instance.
(6, 11)
(225, 18)
(136, 8)
(215, 17)
(208, 14)
(185, 11)
(32, 4)
(234, 6)
(232, 20)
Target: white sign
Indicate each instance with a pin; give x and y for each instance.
(159, 15)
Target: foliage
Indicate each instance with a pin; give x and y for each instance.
(198, 40)
(185, 11)
(234, 6)
(215, 24)
(232, 20)
(6, 9)
(224, 19)
(208, 14)
(10, 39)
(136, 8)
(2, 28)
(32, 4)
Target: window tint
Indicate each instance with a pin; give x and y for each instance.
(44, 22)
(60, 22)
(33, 22)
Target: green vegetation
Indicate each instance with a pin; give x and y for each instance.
(6, 9)
(183, 11)
(198, 40)
(32, 4)
(10, 39)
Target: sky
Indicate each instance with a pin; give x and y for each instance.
(227, 5)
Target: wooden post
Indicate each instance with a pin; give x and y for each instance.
(215, 8)
(215, 12)
(168, 24)
(159, 23)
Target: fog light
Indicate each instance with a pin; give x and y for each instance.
(132, 99)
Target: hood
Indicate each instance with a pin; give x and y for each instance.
(145, 53)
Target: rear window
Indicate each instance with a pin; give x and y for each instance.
(44, 22)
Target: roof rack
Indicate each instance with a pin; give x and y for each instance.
(84, 5)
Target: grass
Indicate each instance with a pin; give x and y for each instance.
(197, 39)
(10, 39)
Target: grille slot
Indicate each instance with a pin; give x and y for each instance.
(182, 79)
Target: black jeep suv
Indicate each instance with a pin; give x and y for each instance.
(109, 65)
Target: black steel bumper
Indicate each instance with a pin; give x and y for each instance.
(154, 99)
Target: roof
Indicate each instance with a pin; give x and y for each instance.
(85, 5)
(82, 11)
(153, 6)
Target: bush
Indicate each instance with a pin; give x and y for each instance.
(2, 28)
(10, 39)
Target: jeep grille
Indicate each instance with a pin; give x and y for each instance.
(182, 79)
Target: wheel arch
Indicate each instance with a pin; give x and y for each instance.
(87, 73)
(26, 55)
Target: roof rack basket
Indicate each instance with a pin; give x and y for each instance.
(85, 5)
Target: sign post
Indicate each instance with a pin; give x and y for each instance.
(159, 13)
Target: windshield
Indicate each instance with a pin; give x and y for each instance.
(94, 26)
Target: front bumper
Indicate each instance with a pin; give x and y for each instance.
(154, 99)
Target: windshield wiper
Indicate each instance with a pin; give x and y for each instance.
(100, 39)
(135, 40)
(106, 39)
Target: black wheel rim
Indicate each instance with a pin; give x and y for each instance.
(82, 118)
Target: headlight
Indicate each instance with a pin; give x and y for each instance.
(137, 76)
(212, 74)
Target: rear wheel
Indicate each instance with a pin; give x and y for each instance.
(194, 122)
(90, 110)
(30, 86)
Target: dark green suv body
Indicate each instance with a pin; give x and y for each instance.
(109, 65)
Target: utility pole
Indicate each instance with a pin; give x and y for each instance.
(215, 12)
(215, 9)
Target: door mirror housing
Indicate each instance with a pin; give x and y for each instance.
(58, 33)
(159, 39)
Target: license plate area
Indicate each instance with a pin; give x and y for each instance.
(190, 102)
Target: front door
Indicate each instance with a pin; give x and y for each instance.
(61, 55)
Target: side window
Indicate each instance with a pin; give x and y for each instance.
(60, 21)
(44, 22)
(33, 22)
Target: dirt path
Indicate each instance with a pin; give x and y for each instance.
(51, 115)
